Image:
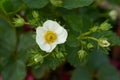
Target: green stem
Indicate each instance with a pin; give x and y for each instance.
(46, 55)
(84, 34)
(92, 38)
(27, 23)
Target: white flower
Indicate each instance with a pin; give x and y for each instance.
(113, 14)
(49, 35)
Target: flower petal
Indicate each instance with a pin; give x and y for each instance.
(62, 36)
(52, 47)
(48, 47)
(45, 47)
(52, 25)
(40, 31)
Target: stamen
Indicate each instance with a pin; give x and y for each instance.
(50, 37)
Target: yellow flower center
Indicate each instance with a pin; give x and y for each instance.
(50, 37)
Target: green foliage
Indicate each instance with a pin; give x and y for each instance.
(107, 72)
(36, 4)
(26, 43)
(11, 6)
(81, 73)
(89, 38)
(41, 71)
(13, 53)
(78, 23)
(94, 59)
(70, 4)
(7, 39)
(14, 70)
(72, 57)
(113, 38)
(54, 60)
(72, 41)
(115, 2)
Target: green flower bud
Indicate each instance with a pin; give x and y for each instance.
(90, 45)
(57, 3)
(38, 58)
(19, 21)
(103, 43)
(59, 55)
(105, 26)
(83, 42)
(94, 29)
(35, 14)
(81, 54)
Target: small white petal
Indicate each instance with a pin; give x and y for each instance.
(52, 25)
(52, 47)
(48, 23)
(45, 47)
(40, 31)
(59, 30)
(62, 36)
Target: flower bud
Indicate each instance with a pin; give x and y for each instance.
(94, 29)
(103, 43)
(57, 3)
(113, 14)
(38, 58)
(81, 54)
(105, 26)
(59, 55)
(35, 14)
(19, 21)
(89, 45)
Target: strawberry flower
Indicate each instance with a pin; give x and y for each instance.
(49, 35)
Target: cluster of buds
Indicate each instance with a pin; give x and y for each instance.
(19, 21)
(105, 26)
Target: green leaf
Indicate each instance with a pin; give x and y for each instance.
(72, 41)
(41, 71)
(78, 23)
(26, 42)
(72, 56)
(70, 4)
(14, 70)
(108, 72)
(114, 1)
(97, 58)
(7, 39)
(36, 4)
(81, 73)
(113, 38)
(10, 6)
